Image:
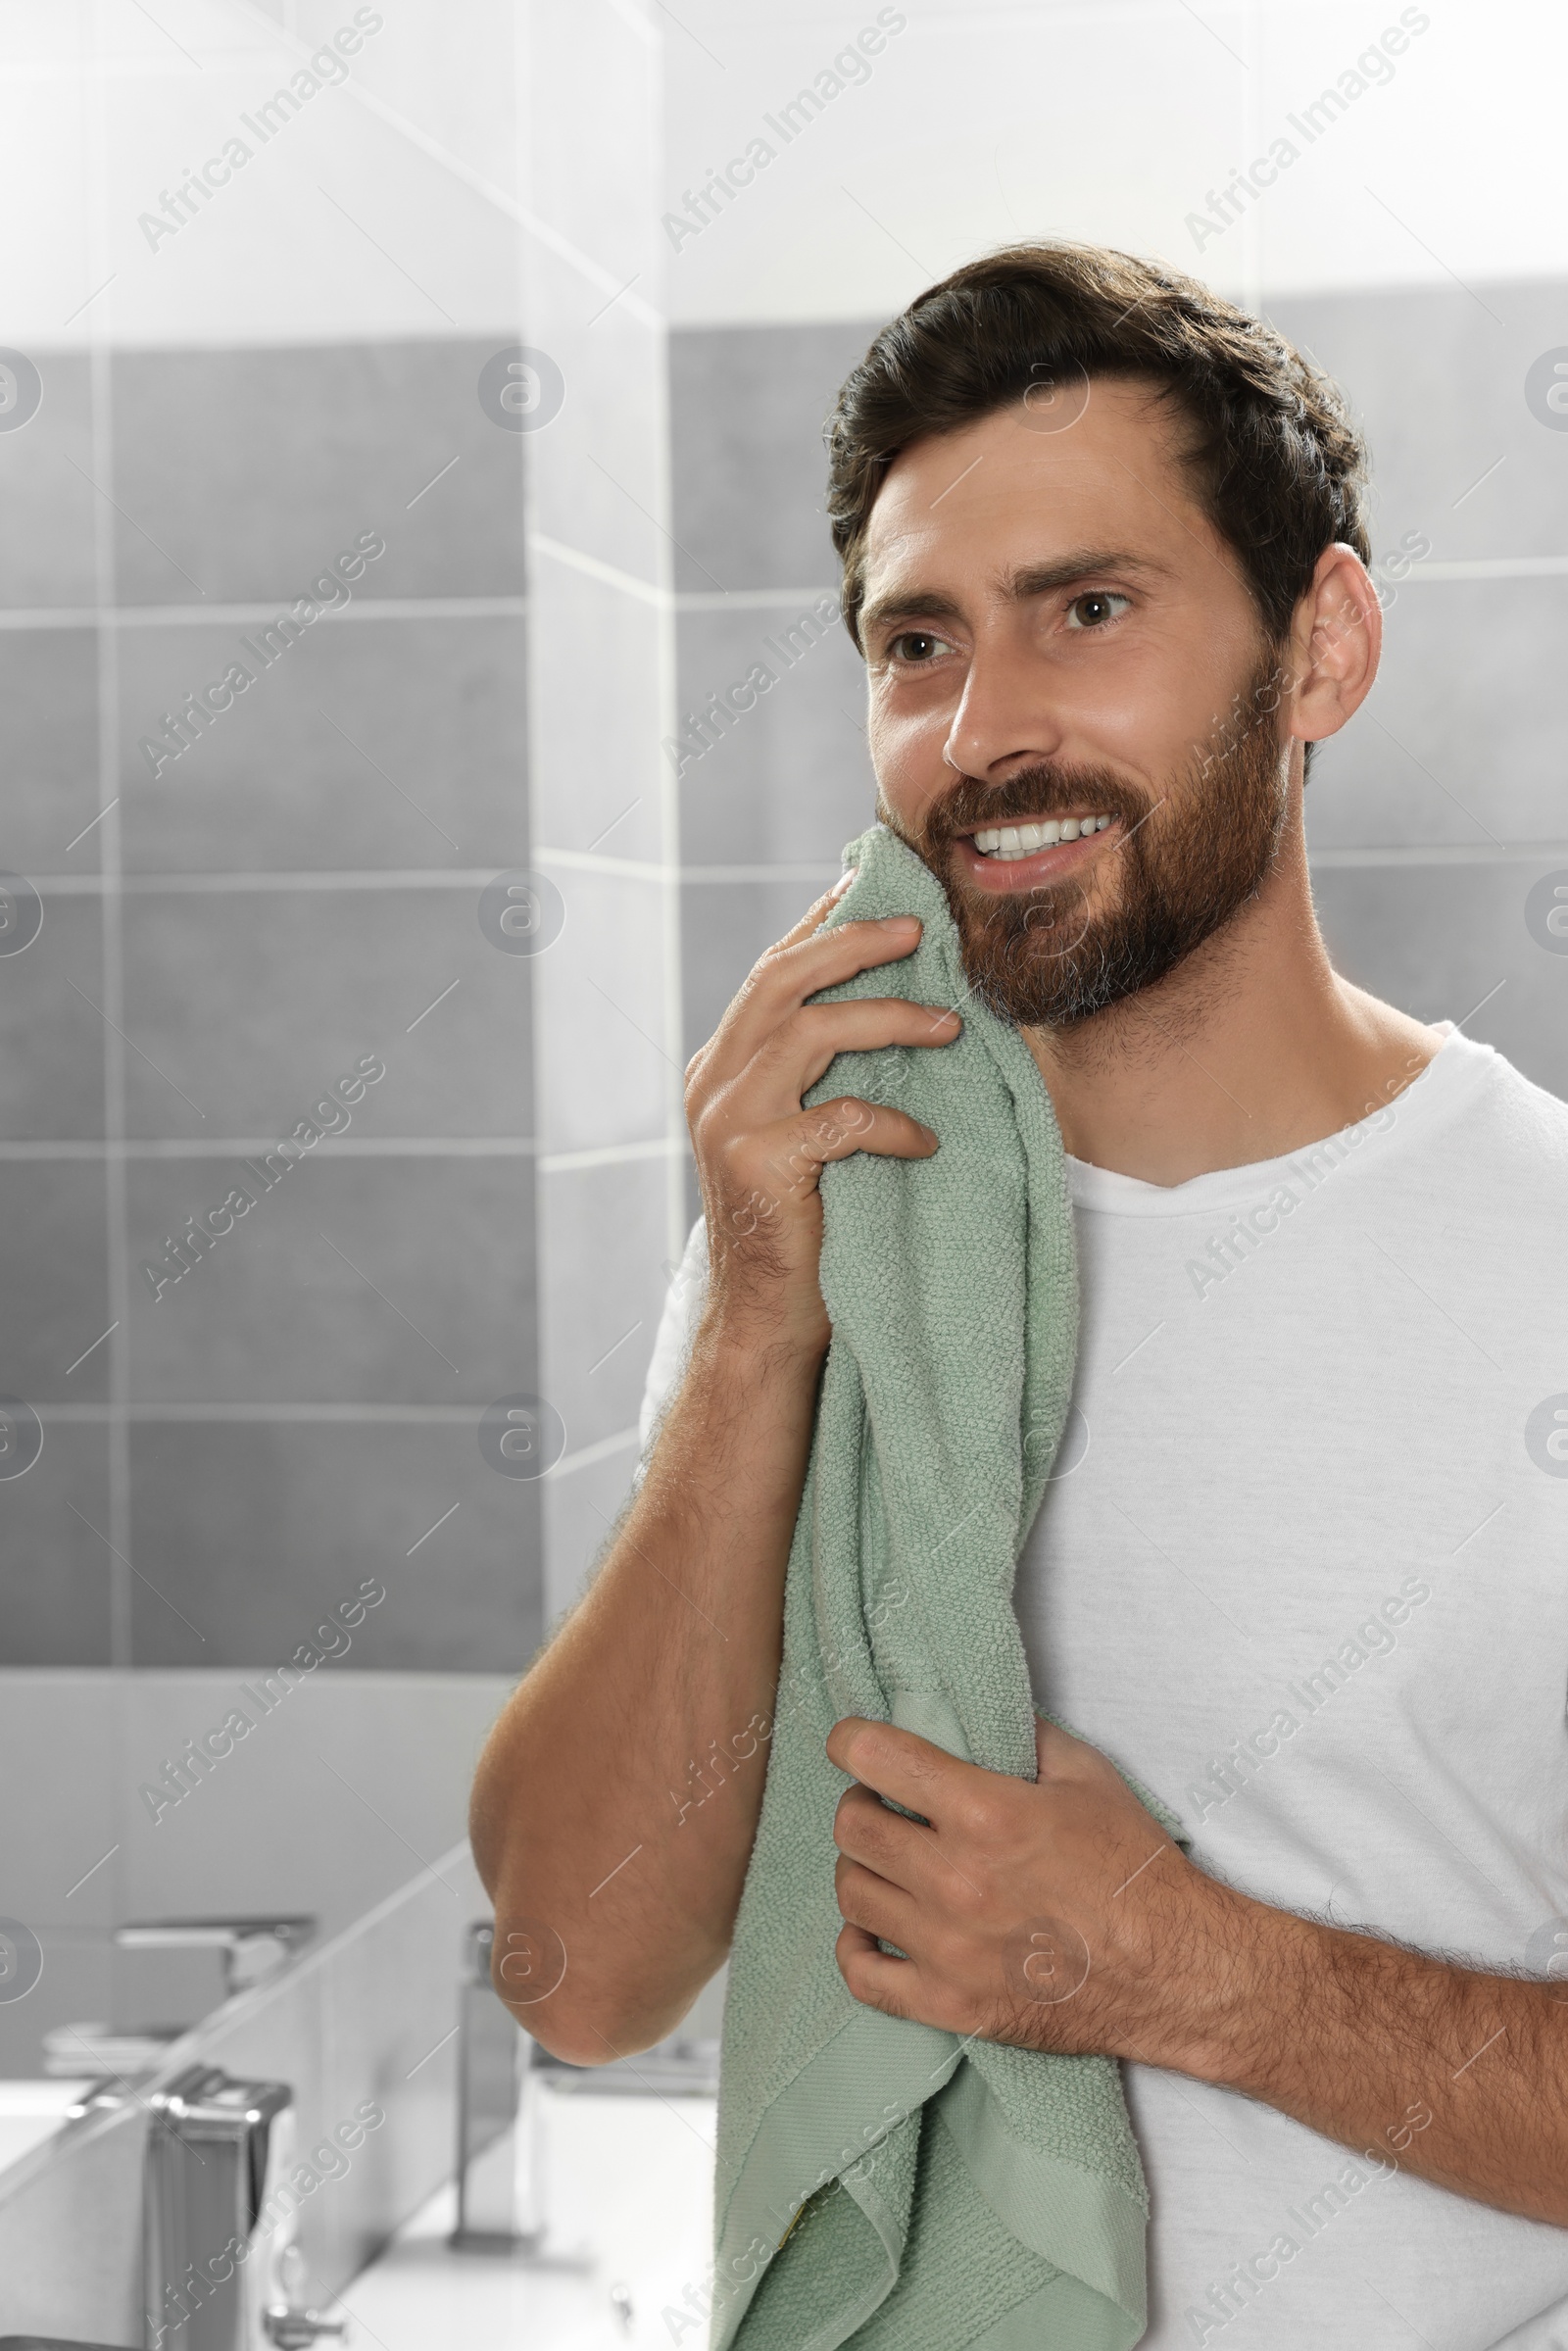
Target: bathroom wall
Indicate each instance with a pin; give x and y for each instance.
(421, 860)
(316, 353)
(263, 925)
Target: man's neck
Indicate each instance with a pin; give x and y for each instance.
(1251, 1049)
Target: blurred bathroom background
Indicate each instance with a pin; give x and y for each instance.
(454, 378)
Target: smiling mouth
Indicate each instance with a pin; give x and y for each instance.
(1007, 844)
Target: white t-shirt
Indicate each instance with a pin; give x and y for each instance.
(1303, 1570)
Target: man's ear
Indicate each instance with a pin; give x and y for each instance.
(1336, 641)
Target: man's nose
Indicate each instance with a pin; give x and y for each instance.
(1005, 718)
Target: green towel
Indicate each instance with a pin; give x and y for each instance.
(934, 2193)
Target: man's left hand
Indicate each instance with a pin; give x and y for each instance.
(1051, 1913)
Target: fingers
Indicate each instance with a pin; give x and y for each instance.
(798, 1040)
(872, 1904)
(789, 1156)
(818, 911)
(875, 1978)
(781, 980)
(798, 1051)
(762, 1172)
(913, 1771)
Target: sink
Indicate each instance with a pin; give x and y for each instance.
(628, 2185)
(30, 2112)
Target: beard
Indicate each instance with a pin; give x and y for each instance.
(1187, 861)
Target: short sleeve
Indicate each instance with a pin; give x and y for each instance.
(684, 1302)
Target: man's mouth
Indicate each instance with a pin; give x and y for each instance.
(1018, 856)
(1008, 842)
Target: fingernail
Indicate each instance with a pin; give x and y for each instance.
(897, 923)
(843, 883)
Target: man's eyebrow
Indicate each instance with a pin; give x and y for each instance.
(1020, 584)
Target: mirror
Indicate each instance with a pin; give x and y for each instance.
(426, 695)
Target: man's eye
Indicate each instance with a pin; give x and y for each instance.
(1095, 607)
(915, 646)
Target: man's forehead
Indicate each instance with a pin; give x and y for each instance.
(1002, 499)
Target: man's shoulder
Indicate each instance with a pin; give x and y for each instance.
(1515, 1123)
(1493, 1169)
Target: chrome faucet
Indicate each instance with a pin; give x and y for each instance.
(498, 2115)
(223, 2272)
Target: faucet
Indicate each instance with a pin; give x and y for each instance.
(223, 2272)
(498, 2115)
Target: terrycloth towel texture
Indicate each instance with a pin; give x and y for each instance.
(934, 2195)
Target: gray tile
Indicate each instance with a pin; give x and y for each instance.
(1438, 940)
(54, 1284)
(1437, 379)
(399, 743)
(52, 1031)
(790, 778)
(49, 681)
(55, 1568)
(746, 410)
(77, 1983)
(1458, 743)
(46, 468)
(355, 1281)
(606, 1073)
(252, 469)
(251, 1004)
(603, 1243)
(253, 1532)
(599, 782)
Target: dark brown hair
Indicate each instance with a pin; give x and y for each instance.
(1278, 465)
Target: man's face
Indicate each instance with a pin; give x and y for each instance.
(1057, 637)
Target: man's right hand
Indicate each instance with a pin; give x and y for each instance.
(760, 1153)
(619, 1797)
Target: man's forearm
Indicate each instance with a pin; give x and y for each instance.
(617, 1801)
(1458, 2075)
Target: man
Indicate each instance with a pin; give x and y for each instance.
(1300, 1569)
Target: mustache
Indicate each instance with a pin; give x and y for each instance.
(1045, 790)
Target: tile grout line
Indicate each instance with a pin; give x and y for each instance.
(262, 879)
(168, 1149)
(682, 603)
(111, 929)
(252, 614)
(668, 689)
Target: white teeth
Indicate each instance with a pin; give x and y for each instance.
(1008, 842)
